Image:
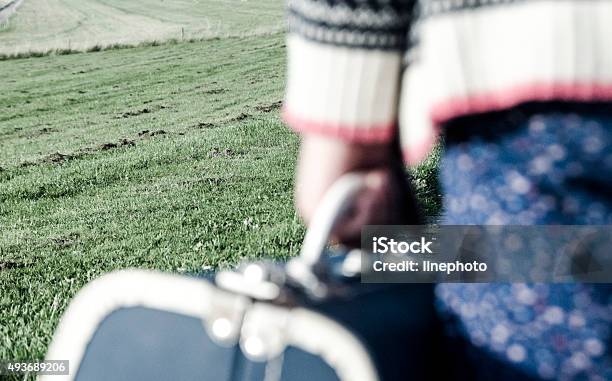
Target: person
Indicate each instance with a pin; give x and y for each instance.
(521, 91)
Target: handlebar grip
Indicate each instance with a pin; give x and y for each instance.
(335, 203)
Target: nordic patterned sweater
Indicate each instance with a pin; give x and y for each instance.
(366, 70)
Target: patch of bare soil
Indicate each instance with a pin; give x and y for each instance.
(215, 91)
(65, 241)
(150, 134)
(36, 133)
(120, 143)
(145, 110)
(205, 125)
(270, 107)
(222, 152)
(57, 158)
(9, 265)
(237, 118)
(241, 116)
(129, 114)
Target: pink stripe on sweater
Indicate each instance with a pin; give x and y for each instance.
(497, 100)
(381, 133)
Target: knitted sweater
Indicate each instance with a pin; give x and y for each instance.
(364, 70)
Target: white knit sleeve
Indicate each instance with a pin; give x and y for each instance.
(344, 67)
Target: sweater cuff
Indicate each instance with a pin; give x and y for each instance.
(343, 92)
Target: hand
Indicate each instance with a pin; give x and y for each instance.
(323, 160)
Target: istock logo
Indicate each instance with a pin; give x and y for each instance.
(384, 245)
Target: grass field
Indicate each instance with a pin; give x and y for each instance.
(42, 25)
(170, 157)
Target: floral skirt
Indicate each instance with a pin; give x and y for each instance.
(534, 165)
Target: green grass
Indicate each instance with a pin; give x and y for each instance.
(42, 25)
(168, 157)
(84, 189)
(426, 185)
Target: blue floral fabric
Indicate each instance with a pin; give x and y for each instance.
(541, 168)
